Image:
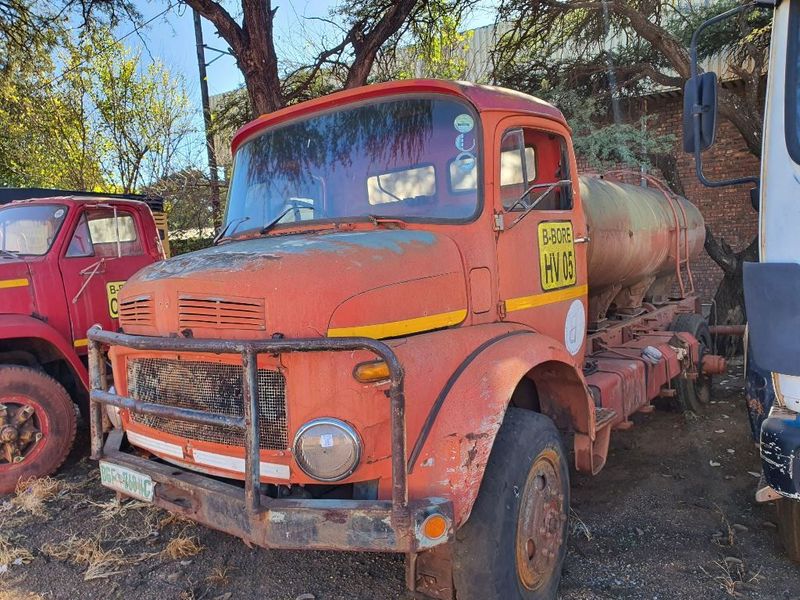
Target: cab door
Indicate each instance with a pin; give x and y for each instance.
(105, 247)
(541, 247)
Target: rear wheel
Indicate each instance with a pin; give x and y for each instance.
(694, 395)
(789, 526)
(514, 543)
(37, 425)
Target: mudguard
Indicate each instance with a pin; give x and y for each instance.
(450, 454)
(22, 326)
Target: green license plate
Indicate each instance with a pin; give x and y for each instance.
(127, 481)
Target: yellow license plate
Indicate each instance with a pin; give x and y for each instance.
(112, 291)
(556, 255)
(127, 481)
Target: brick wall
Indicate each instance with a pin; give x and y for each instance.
(727, 211)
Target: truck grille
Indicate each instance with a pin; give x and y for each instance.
(211, 387)
(136, 311)
(220, 313)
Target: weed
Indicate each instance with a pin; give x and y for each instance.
(182, 546)
(33, 494)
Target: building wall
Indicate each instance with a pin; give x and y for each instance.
(727, 211)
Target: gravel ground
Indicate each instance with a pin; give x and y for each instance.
(671, 516)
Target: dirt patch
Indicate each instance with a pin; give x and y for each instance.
(671, 516)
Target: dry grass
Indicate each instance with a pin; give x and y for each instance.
(32, 495)
(578, 527)
(13, 594)
(182, 546)
(731, 575)
(12, 554)
(174, 519)
(100, 562)
(220, 575)
(115, 507)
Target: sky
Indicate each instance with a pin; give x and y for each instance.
(170, 39)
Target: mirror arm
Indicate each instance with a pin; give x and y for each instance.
(697, 110)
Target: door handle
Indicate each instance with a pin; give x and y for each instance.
(582, 240)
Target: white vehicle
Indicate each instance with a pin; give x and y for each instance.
(772, 286)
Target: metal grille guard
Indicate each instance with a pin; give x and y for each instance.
(249, 351)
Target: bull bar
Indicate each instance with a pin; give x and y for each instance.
(371, 525)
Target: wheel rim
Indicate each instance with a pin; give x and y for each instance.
(23, 427)
(542, 518)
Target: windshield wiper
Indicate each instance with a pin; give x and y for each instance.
(235, 223)
(270, 224)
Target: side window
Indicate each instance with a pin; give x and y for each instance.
(81, 242)
(105, 233)
(530, 162)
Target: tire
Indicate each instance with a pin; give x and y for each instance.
(514, 542)
(694, 395)
(40, 443)
(789, 526)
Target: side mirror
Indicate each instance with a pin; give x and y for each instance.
(700, 97)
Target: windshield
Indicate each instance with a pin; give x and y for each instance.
(412, 158)
(30, 228)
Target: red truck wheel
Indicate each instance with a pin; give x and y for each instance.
(514, 542)
(37, 425)
(694, 395)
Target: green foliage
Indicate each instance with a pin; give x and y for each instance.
(604, 145)
(86, 113)
(189, 245)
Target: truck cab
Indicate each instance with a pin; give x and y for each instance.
(63, 261)
(772, 285)
(413, 296)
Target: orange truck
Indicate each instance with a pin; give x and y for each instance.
(413, 299)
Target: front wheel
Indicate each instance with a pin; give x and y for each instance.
(37, 425)
(514, 542)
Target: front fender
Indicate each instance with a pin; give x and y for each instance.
(449, 455)
(24, 327)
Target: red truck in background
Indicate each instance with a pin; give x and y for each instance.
(63, 260)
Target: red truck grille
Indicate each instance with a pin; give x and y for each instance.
(220, 313)
(212, 387)
(136, 311)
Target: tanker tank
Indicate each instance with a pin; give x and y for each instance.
(635, 234)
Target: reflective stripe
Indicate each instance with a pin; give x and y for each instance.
(524, 302)
(80, 343)
(148, 443)
(398, 328)
(13, 283)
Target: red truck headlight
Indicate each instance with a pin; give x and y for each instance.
(327, 449)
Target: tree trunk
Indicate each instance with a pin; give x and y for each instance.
(729, 306)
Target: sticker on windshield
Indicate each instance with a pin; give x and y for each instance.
(462, 145)
(465, 161)
(464, 123)
(59, 213)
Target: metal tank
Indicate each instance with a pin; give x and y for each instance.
(633, 250)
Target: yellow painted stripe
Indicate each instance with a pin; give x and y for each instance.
(397, 328)
(81, 343)
(524, 302)
(12, 283)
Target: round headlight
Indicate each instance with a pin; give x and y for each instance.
(327, 449)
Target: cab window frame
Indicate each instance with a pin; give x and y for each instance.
(792, 82)
(568, 201)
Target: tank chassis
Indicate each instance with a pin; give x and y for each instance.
(413, 296)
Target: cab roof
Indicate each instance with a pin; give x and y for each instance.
(77, 200)
(483, 97)
(156, 203)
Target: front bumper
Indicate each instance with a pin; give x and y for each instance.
(365, 525)
(292, 524)
(780, 451)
